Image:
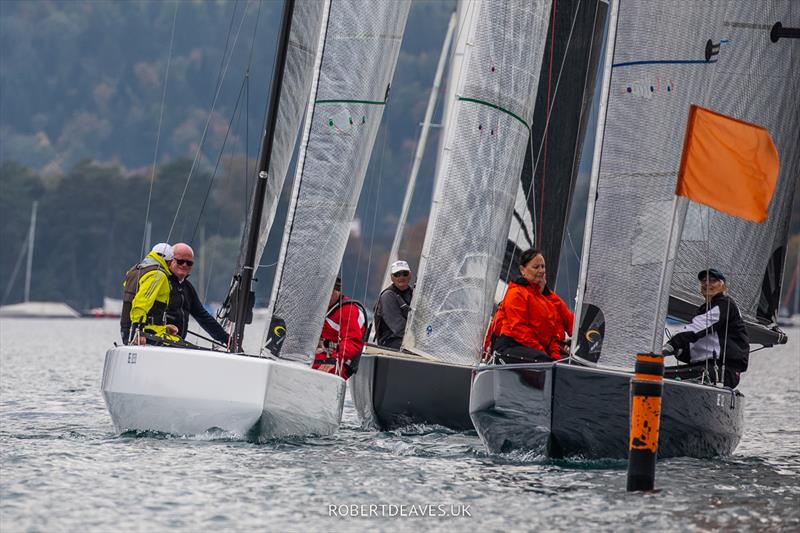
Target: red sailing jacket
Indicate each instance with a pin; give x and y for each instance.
(536, 319)
(342, 338)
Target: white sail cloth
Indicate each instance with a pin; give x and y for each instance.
(356, 64)
(297, 76)
(757, 81)
(477, 182)
(667, 56)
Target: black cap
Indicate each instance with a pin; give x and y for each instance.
(713, 272)
(337, 285)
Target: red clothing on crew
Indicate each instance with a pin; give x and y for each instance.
(342, 338)
(536, 319)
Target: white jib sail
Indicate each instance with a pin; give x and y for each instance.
(356, 64)
(476, 188)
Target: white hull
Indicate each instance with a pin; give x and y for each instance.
(189, 392)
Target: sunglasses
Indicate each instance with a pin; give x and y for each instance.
(403, 274)
(182, 262)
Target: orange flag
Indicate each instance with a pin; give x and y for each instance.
(728, 164)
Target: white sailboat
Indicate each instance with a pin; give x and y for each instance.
(28, 308)
(187, 391)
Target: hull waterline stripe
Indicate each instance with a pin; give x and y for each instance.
(494, 106)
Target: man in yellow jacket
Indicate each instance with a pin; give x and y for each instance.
(149, 305)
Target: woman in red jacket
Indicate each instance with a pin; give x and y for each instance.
(533, 321)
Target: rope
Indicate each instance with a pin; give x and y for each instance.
(160, 122)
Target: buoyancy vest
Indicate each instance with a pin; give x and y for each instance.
(154, 317)
(129, 288)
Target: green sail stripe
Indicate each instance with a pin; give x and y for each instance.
(369, 102)
(494, 106)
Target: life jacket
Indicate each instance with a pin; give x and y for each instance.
(129, 288)
(382, 330)
(155, 316)
(340, 342)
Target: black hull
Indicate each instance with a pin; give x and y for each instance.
(563, 410)
(390, 392)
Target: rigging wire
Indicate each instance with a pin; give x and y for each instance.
(160, 122)
(375, 207)
(544, 134)
(221, 77)
(219, 159)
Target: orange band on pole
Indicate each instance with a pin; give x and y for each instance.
(647, 377)
(645, 418)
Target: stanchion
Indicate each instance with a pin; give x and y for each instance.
(647, 385)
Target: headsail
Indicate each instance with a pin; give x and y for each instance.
(663, 57)
(476, 185)
(356, 64)
(751, 255)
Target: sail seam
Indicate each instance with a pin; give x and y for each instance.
(495, 106)
(368, 102)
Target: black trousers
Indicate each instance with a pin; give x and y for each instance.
(730, 377)
(511, 352)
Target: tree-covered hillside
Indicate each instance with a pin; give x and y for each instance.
(80, 105)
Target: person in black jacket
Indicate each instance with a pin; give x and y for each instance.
(392, 307)
(183, 299)
(716, 338)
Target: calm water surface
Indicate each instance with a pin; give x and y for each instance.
(62, 467)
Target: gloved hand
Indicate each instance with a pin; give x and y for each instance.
(667, 349)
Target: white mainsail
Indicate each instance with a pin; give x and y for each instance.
(662, 58)
(476, 185)
(356, 61)
(297, 76)
(757, 81)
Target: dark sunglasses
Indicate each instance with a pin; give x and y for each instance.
(188, 262)
(403, 274)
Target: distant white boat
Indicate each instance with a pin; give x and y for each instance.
(112, 308)
(38, 310)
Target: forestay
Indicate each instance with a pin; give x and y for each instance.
(477, 182)
(297, 76)
(361, 42)
(758, 81)
(658, 67)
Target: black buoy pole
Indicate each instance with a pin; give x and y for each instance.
(647, 386)
(247, 269)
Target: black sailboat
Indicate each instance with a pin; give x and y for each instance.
(420, 385)
(652, 73)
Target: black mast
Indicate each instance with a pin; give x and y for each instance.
(242, 291)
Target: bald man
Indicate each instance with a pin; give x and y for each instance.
(183, 299)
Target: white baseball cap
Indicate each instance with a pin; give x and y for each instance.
(164, 250)
(400, 266)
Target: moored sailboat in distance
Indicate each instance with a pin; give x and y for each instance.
(486, 135)
(28, 308)
(659, 60)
